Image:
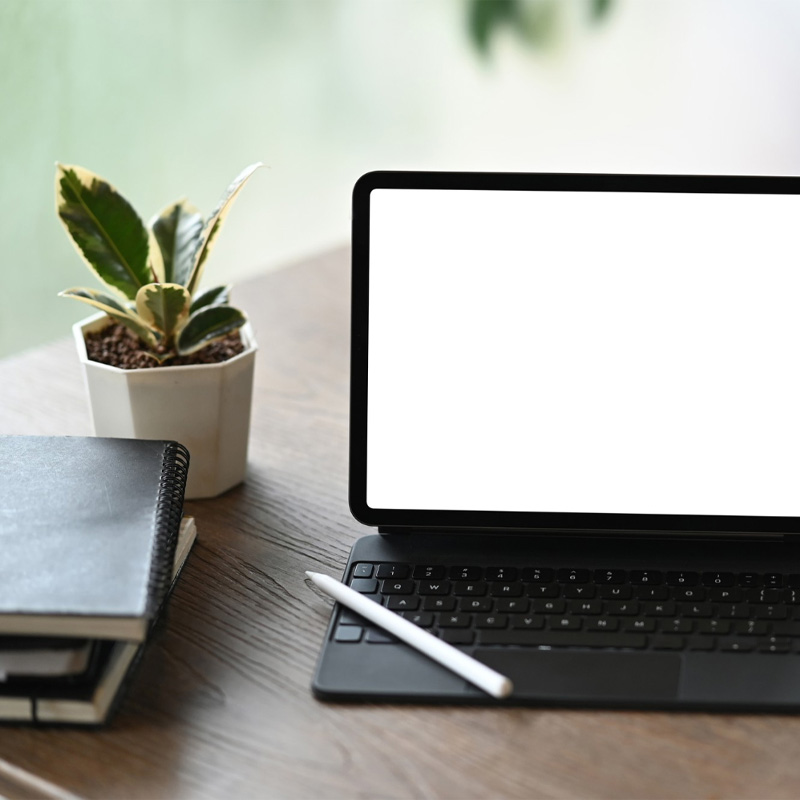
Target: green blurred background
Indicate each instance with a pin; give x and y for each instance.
(171, 98)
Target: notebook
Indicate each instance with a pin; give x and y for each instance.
(574, 425)
(89, 687)
(88, 528)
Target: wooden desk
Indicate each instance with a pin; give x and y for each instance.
(221, 706)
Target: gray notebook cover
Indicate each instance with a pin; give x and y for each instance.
(88, 527)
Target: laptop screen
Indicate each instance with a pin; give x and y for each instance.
(577, 351)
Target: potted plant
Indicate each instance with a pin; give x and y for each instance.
(163, 360)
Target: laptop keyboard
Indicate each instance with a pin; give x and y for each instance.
(612, 608)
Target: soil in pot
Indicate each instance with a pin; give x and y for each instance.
(117, 346)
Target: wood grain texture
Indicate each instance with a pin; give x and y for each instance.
(221, 706)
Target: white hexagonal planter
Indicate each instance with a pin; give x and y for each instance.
(205, 407)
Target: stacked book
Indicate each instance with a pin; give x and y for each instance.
(93, 538)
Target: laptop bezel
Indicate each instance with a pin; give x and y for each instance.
(508, 521)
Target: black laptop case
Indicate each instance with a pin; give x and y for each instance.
(651, 561)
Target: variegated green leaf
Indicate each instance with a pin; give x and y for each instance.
(116, 311)
(164, 306)
(105, 229)
(155, 259)
(208, 324)
(177, 229)
(218, 296)
(214, 224)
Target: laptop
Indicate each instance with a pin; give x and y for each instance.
(575, 428)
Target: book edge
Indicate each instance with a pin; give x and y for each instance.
(123, 658)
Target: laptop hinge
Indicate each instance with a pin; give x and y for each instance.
(391, 530)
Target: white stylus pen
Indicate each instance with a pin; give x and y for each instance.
(448, 656)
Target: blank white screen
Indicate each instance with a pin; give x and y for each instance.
(593, 352)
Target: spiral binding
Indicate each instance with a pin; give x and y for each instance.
(169, 511)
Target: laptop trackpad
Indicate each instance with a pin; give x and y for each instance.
(586, 676)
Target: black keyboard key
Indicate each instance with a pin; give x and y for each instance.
(505, 589)
(454, 620)
(398, 571)
(638, 625)
(602, 624)
(773, 644)
(364, 585)
(402, 602)
(564, 623)
(651, 592)
(606, 577)
(491, 620)
(750, 627)
(428, 573)
(615, 592)
(504, 574)
(433, 587)
(729, 595)
(469, 588)
(731, 645)
(526, 621)
(696, 609)
(720, 627)
(669, 643)
(770, 612)
(584, 590)
(457, 636)
(375, 636)
(700, 642)
(648, 577)
(793, 581)
(696, 594)
(424, 619)
(622, 607)
(666, 608)
(734, 610)
(470, 604)
(516, 605)
(529, 638)
(349, 634)
(749, 579)
(348, 617)
(573, 576)
(397, 587)
(435, 603)
(772, 580)
(586, 607)
(764, 595)
(548, 606)
(786, 629)
(542, 589)
(676, 625)
(682, 578)
(466, 573)
(719, 579)
(363, 571)
(538, 575)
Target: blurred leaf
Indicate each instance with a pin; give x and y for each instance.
(219, 295)
(599, 8)
(206, 325)
(214, 223)
(164, 306)
(105, 229)
(116, 311)
(177, 230)
(536, 22)
(485, 16)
